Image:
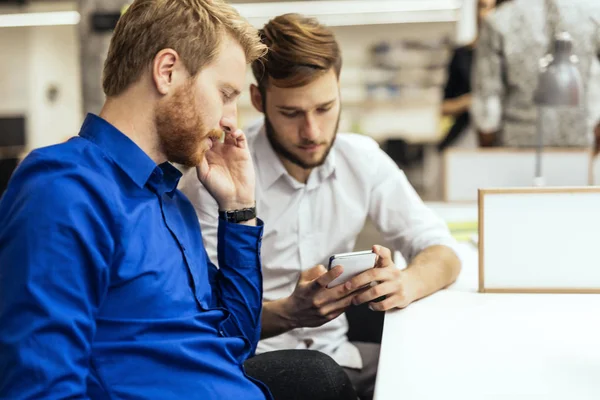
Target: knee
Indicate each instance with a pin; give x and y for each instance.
(301, 374)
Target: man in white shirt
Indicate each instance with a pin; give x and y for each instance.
(315, 189)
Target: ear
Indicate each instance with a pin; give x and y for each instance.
(163, 69)
(256, 98)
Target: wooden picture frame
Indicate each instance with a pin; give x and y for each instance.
(555, 197)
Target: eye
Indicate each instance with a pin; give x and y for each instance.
(292, 114)
(323, 110)
(227, 96)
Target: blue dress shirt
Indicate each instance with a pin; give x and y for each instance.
(106, 291)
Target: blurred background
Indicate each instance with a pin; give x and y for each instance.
(396, 65)
(395, 58)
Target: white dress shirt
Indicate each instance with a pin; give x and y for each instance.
(306, 223)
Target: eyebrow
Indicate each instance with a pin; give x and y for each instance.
(292, 108)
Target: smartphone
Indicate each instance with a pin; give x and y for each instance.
(354, 263)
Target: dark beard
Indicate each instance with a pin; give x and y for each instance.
(288, 155)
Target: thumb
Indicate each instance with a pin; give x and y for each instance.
(312, 274)
(202, 170)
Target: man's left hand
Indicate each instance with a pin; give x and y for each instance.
(392, 283)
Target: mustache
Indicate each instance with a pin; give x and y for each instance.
(215, 134)
(310, 143)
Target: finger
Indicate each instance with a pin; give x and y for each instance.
(383, 289)
(327, 278)
(202, 170)
(312, 274)
(236, 138)
(372, 275)
(334, 315)
(230, 138)
(389, 303)
(339, 305)
(384, 256)
(334, 294)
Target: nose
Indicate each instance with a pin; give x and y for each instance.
(310, 130)
(229, 121)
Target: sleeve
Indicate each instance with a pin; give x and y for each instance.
(400, 214)
(54, 247)
(488, 80)
(239, 279)
(234, 251)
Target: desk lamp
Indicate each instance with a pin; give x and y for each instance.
(559, 85)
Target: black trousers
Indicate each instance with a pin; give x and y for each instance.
(301, 375)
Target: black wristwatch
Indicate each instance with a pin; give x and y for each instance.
(237, 216)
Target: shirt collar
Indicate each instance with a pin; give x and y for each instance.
(128, 156)
(272, 168)
(269, 165)
(164, 179)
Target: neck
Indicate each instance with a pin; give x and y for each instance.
(136, 121)
(297, 172)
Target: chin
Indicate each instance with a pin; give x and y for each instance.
(188, 160)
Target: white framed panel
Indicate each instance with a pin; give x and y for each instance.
(539, 240)
(467, 170)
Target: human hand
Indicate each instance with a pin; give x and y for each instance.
(227, 172)
(391, 282)
(312, 303)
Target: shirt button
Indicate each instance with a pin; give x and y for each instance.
(221, 333)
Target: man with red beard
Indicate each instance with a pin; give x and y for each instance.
(106, 290)
(315, 189)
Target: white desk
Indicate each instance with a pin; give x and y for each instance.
(460, 344)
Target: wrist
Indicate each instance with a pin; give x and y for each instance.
(284, 310)
(245, 216)
(232, 205)
(413, 287)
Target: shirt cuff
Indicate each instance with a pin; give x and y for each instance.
(239, 245)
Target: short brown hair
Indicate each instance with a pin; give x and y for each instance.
(300, 50)
(193, 28)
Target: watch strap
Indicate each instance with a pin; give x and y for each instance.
(237, 216)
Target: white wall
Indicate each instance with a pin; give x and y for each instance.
(33, 59)
(14, 71)
(54, 62)
(355, 42)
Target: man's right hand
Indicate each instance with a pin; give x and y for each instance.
(311, 304)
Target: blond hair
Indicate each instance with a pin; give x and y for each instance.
(193, 28)
(300, 51)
